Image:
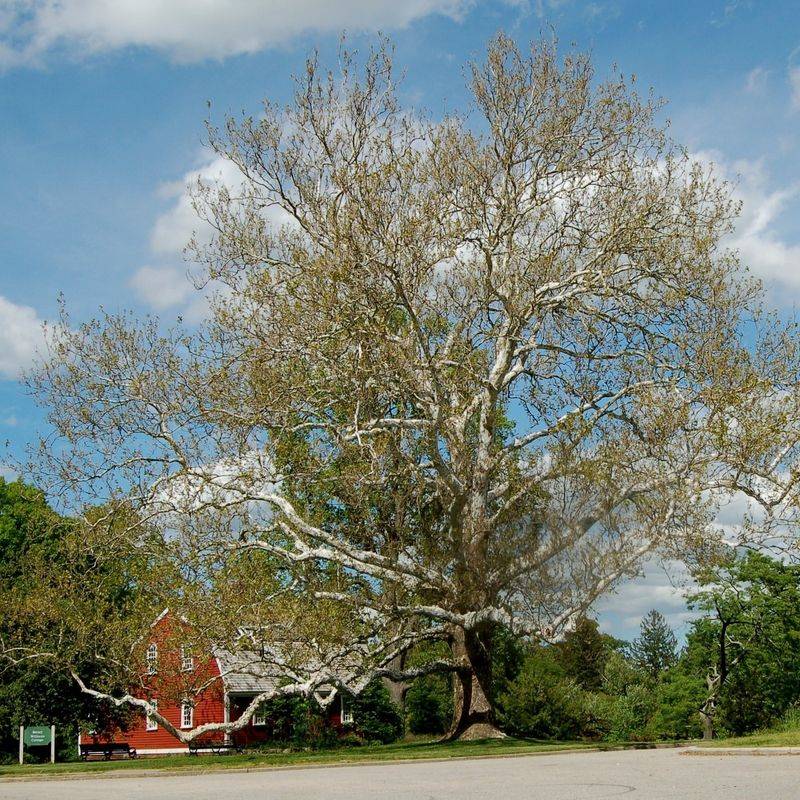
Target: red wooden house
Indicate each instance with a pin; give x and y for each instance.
(232, 680)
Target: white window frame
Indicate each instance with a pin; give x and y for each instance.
(187, 659)
(187, 705)
(346, 715)
(152, 724)
(152, 659)
(259, 719)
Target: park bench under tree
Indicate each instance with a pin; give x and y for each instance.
(107, 750)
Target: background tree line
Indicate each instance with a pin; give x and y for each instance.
(735, 673)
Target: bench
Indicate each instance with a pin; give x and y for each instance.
(218, 748)
(107, 750)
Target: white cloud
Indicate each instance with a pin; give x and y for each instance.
(175, 227)
(794, 85)
(188, 30)
(763, 250)
(9, 473)
(161, 287)
(168, 285)
(663, 587)
(756, 80)
(21, 335)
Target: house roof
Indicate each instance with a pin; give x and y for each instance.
(245, 671)
(256, 671)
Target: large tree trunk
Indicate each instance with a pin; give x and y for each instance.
(707, 722)
(397, 689)
(473, 714)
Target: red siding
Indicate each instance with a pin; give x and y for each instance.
(250, 734)
(165, 687)
(210, 707)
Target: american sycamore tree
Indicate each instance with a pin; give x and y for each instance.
(458, 374)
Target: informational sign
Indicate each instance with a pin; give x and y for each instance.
(37, 735)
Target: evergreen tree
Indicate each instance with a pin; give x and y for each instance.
(655, 650)
(584, 651)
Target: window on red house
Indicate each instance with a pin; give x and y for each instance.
(347, 713)
(152, 725)
(187, 714)
(152, 659)
(187, 659)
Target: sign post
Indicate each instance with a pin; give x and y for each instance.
(37, 736)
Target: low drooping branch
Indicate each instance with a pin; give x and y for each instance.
(329, 682)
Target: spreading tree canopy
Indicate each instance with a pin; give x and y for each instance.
(458, 374)
(34, 540)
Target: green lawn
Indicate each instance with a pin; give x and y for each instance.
(789, 738)
(389, 752)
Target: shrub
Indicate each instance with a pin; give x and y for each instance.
(678, 700)
(541, 702)
(619, 675)
(376, 716)
(429, 705)
(630, 715)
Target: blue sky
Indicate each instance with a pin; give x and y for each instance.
(102, 104)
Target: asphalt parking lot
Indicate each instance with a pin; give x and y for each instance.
(651, 774)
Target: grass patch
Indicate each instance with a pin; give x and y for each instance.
(785, 733)
(769, 738)
(389, 752)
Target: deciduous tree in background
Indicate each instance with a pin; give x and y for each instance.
(458, 375)
(584, 651)
(747, 642)
(33, 536)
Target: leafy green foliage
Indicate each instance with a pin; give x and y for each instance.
(376, 718)
(31, 692)
(584, 651)
(27, 524)
(630, 714)
(655, 649)
(543, 701)
(749, 640)
(679, 695)
(429, 704)
(619, 674)
(293, 722)
(297, 722)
